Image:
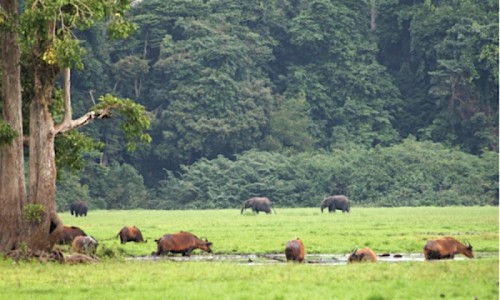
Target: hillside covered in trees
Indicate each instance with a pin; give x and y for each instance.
(389, 102)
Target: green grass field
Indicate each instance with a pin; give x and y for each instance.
(394, 230)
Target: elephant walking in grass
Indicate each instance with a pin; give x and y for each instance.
(333, 203)
(258, 204)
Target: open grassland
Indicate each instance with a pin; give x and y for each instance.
(394, 230)
(382, 229)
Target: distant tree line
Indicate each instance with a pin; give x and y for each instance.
(389, 102)
(408, 174)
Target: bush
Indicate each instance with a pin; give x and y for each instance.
(409, 174)
(70, 190)
(118, 186)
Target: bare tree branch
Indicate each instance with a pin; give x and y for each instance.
(84, 120)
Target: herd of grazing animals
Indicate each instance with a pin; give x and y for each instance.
(185, 242)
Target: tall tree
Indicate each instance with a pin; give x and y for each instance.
(49, 41)
(12, 181)
(331, 57)
(444, 58)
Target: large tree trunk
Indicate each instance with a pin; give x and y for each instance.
(12, 180)
(42, 163)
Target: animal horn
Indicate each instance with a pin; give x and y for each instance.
(354, 251)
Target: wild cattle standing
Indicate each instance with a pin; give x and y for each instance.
(333, 203)
(365, 254)
(446, 248)
(79, 209)
(182, 242)
(68, 234)
(85, 245)
(130, 234)
(295, 251)
(258, 204)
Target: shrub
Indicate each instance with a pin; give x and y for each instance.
(408, 174)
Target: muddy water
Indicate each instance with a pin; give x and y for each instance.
(318, 259)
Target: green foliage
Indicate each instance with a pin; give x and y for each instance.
(443, 58)
(416, 173)
(225, 77)
(131, 67)
(57, 21)
(333, 62)
(69, 190)
(118, 186)
(135, 119)
(290, 127)
(412, 173)
(7, 134)
(70, 149)
(215, 100)
(33, 213)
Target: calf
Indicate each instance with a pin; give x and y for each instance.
(85, 245)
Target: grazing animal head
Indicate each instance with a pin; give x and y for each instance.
(468, 251)
(205, 245)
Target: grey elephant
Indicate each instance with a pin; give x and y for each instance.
(258, 204)
(335, 202)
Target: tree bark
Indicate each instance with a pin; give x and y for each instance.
(373, 15)
(42, 164)
(12, 180)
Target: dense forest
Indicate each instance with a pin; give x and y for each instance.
(389, 102)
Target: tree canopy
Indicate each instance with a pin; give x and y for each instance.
(220, 79)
